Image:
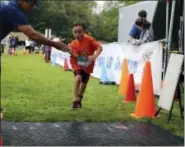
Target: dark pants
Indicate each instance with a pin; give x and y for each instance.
(48, 54)
(32, 48)
(28, 48)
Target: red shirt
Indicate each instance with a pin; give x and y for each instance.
(85, 47)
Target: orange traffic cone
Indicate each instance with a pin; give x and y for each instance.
(145, 106)
(124, 78)
(66, 67)
(130, 94)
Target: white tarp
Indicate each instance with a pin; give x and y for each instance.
(113, 55)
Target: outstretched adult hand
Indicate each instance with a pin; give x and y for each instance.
(60, 45)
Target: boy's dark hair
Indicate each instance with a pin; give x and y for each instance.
(142, 13)
(139, 21)
(80, 23)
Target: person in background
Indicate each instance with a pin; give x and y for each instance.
(14, 43)
(28, 46)
(84, 51)
(36, 49)
(48, 52)
(144, 32)
(147, 34)
(143, 14)
(3, 44)
(2, 47)
(33, 44)
(17, 41)
(135, 33)
(136, 30)
(9, 45)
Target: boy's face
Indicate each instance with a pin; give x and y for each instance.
(78, 32)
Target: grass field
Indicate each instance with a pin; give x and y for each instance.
(35, 91)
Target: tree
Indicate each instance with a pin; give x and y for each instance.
(60, 15)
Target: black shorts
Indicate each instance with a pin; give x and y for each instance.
(85, 76)
(28, 47)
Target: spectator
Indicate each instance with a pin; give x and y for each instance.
(33, 44)
(136, 31)
(9, 45)
(147, 34)
(2, 47)
(143, 14)
(17, 41)
(142, 31)
(28, 45)
(14, 42)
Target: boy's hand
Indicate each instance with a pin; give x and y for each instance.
(69, 50)
(91, 58)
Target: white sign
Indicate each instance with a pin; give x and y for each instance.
(112, 58)
(170, 81)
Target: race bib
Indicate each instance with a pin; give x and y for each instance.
(83, 61)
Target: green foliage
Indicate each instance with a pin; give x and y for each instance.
(60, 15)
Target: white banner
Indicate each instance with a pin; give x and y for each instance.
(112, 58)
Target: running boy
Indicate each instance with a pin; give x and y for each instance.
(84, 51)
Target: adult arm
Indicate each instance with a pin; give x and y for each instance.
(19, 20)
(37, 37)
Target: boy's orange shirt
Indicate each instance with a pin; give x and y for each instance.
(85, 47)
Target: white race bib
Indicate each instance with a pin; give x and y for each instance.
(83, 61)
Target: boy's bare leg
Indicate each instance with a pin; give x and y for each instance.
(82, 88)
(76, 87)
